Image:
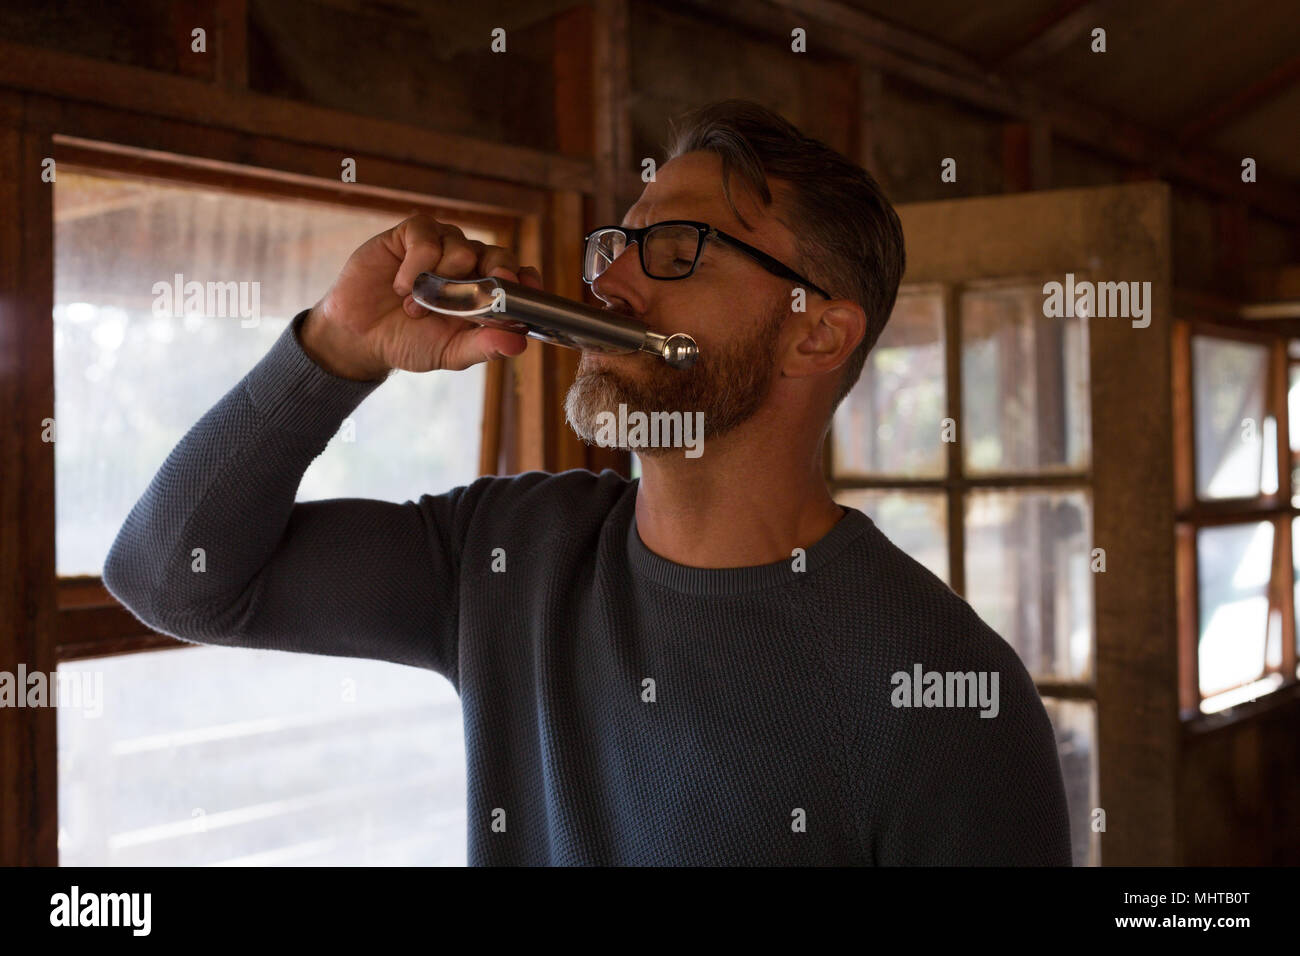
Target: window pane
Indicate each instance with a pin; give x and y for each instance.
(207, 756)
(1228, 410)
(1233, 566)
(915, 521)
(1028, 575)
(1293, 426)
(890, 423)
(1075, 722)
(133, 373)
(1024, 383)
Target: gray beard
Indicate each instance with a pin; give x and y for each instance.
(728, 384)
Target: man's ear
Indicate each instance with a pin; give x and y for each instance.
(825, 337)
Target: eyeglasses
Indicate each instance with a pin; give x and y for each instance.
(671, 250)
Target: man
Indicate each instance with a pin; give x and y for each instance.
(713, 664)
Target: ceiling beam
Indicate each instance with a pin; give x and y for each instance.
(877, 30)
(1052, 34)
(1243, 101)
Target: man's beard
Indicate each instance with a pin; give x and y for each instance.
(728, 384)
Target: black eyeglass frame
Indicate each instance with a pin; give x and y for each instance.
(772, 265)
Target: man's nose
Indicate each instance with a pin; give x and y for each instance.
(618, 284)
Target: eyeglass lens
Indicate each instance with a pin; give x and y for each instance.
(669, 251)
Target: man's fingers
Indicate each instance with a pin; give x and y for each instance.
(480, 344)
(414, 309)
(421, 242)
(460, 258)
(498, 257)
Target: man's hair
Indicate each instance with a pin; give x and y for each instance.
(848, 237)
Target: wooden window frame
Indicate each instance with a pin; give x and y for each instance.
(1191, 513)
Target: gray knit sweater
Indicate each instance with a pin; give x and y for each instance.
(619, 708)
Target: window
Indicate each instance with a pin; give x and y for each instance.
(209, 755)
(1237, 389)
(129, 382)
(967, 442)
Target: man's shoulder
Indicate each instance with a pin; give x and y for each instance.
(576, 486)
(540, 501)
(922, 612)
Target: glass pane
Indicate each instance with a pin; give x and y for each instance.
(1029, 576)
(1024, 383)
(915, 521)
(133, 372)
(1293, 426)
(1233, 566)
(211, 756)
(890, 424)
(1075, 722)
(1228, 411)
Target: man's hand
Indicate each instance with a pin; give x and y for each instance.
(368, 323)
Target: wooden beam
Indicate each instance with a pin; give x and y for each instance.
(1243, 101)
(609, 101)
(1026, 156)
(77, 78)
(1053, 34)
(883, 33)
(1279, 383)
(28, 754)
(392, 186)
(232, 44)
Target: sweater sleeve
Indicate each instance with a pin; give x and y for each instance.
(216, 551)
(983, 791)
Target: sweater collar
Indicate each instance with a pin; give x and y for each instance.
(721, 581)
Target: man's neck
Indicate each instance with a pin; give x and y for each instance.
(732, 507)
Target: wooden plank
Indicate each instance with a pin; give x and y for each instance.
(235, 157)
(232, 43)
(1064, 26)
(881, 32)
(69, 77)
(1273, 84)
(1184, 434)
(116, 646)
(28, 757)
(153, 166)
(489, 448)
(609, 100)
(1284, 572)
(1189, 620)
